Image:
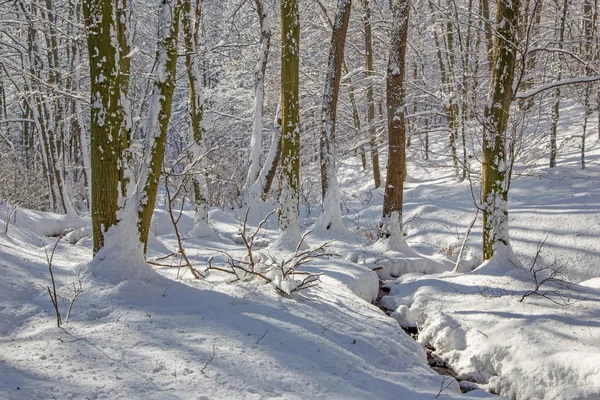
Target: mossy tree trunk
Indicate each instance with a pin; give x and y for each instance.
(108, 86)
(159, 113)
(290, 122)
(191, 20)
(495, 170)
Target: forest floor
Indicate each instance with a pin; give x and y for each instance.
(163, 335)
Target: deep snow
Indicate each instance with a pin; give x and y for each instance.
(164, 335)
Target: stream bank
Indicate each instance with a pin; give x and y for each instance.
(434, 361)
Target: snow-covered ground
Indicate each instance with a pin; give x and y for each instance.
(164, 338)
(165, 335)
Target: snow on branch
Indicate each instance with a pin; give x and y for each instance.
(552, 85)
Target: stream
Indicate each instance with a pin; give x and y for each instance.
(435, 362)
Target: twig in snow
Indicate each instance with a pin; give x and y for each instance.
(552, 275)
(212, 357)
(264, 334)
(52, 293)
(464, 243)
(446, 382)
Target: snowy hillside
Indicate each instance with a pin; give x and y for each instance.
(166, 335)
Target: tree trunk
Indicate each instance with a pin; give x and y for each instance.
(191, 19)
(369, 73)
(484, 7)
(589, 31)
(495, 158)
(332, 216)
(289, 201)
(108, 85)
(394, 184)
(159, 113)
(259, 94)
(556, 105)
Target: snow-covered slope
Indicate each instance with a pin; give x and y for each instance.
(163, 338)
(541, 346)
(166, 335)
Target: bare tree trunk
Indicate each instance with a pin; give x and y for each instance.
(159, 113)
(259, 94)
(289, 227)
(452, 98)
(556, 106)
(332, 216)
(496, 165)
(267, 173)
(370, 100)
(355, 116)
(191, 19)
(394, 184)
(484, 7)
(589, 31)
(108, 85)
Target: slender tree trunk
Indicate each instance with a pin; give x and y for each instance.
(589, 31)
(487, 28)
(370, 98)
(191, 20)
(495, 156)
(267, 173)
(556, 105)
(332, 216)
(159, 113)
(355, 116)
(465, 110)
(259, 94)
(394, 184)
(452, 98)
(289, 208)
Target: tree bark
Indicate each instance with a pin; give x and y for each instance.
(159, 113)
(331, 216)
(191, 19)
(495, 170)
(394, 183)
(556, 105)
(108, 85)
(369, 73)
(259, 94)
(289, 208)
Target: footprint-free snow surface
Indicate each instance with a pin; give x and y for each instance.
(141, 332)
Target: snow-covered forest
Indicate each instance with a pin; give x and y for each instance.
(299, 199)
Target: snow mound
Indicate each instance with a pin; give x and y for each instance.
(544, 347)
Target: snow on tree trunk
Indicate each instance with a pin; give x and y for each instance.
(331, 217)
(159, 113)
(289, 202)
(259, 94)
(262, 184)
(556, 105)
(370, 101)
(589, 32)
(448, 83)
(495, 171)
(391, 223)
(109, 111)
(191, 20)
